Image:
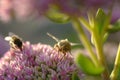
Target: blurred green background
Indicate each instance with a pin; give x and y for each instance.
(35, 31)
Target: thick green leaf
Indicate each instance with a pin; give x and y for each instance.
(114, 27)
(105, 37)
(55, 15)
(75, 76)
(85, 64)
(100, 20)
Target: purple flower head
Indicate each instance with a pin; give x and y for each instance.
(22, 9)
(5, 10)
(19, 9)
(81, 7)
(41, 6)
(37, 62)
(116, 12)
(71, 7)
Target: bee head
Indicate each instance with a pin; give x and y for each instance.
(64, 45)
(17, 41)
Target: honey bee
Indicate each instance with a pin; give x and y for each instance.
(63, 46)
(14, 41)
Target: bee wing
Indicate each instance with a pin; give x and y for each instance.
(75, 44)
(8, 38)
(11, 34)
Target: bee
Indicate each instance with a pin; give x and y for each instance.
(63, 46)
(14, 41)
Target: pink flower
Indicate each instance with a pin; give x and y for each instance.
(22, 9)
(5, 10)
(116, 12)
(37, 62)
(73, 7)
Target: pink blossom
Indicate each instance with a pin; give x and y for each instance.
(22, 9)
(116, 12)
(5, 9)
(37, 62)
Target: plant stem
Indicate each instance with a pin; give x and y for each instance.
(98, 42)
(115, 71)
(85, 23)
(85, 41)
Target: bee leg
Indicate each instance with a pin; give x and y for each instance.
(12, 45)
(21, 49)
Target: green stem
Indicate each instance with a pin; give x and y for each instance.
(115, 71)
(99, 48)
(84, 40)
(85, 23)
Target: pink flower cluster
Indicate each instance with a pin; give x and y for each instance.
(37, 62)
(15, 8)
(25, 8)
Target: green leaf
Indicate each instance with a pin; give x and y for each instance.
(114, 27)
(75, 76)
(92, 40)
(105, 37)
(85, 64)
(56, 16)
(100, 20)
